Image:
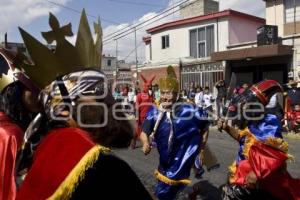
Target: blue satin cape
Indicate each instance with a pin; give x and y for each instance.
(176, 158)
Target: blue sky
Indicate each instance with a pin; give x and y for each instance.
(32, 15)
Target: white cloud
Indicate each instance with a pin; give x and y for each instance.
(126, 44)
(15, 13)
(254, 7)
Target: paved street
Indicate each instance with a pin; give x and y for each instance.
(225, 149)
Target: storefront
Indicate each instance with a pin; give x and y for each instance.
(252, 65)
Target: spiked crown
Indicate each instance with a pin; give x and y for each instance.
(65, 58)
(10, 63)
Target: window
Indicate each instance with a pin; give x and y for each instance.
(165, 42)
(202, 42)
(292, 10)
(108, 62)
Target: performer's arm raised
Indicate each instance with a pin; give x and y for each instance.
(233, 132)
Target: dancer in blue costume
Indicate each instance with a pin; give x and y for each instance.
(260, 169)
(178, 130)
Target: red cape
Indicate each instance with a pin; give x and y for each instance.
(269, 165)
(57, 155)
(147, 100)
(11, 137)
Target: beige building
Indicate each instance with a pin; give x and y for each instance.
(286, 15)
(198, 7)
(187, 45)
(279, 59)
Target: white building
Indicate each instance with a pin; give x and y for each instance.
(286, 15)
(187, 45)
(116, 70)
(277, 60)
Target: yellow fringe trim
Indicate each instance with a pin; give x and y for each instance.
(168, 181)
(250, 140)
(232, 171)
(67, 187)
(276, 143)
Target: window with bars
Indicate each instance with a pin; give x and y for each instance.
(202, 42)
(292, 10)
(165, 41)
(108, 62)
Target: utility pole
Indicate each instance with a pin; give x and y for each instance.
(136, 59)
(294, 48)
(5, 41)
(116, 70)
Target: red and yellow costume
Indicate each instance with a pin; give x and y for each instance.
(143, 103)
(263, 152)
(11, 134)
(11, 137)
(67, 163)
(60, 162)
(267, 159)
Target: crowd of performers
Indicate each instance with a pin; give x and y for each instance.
(59, 123)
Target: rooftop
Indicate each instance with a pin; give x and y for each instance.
(201, 18)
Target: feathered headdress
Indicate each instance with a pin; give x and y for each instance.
(170, 82)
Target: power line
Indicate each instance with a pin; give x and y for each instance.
(146, 24)
(136, 3)
(129, 55)
(141, 23)
(116, 33)
(77, 11)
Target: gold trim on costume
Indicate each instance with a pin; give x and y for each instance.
(276, 143)
(232, 170)
(168, 181)
(67, 187)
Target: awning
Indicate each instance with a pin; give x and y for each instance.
(254, 52)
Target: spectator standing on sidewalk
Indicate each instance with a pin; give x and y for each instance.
(208, 102)
(199, 97)
(221, 96)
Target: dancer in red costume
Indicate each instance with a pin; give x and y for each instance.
(16, 112)
(143, 103)
(260, 170)
(72, 160)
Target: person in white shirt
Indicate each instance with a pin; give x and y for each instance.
(130, 96)
(208, 101)
(199, 97)
(275, 106)
(131, 100)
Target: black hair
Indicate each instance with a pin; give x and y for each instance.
(12, 105)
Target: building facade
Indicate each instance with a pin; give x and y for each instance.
(286, 15)
(187, 45)
(117, 72)
(198, 7)
(278, 60)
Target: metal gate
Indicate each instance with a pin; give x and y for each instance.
(202, 75)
